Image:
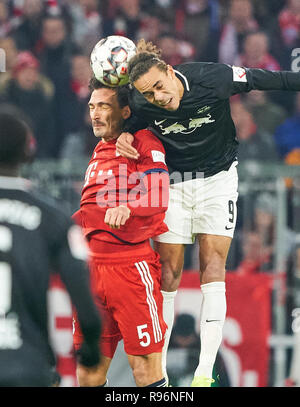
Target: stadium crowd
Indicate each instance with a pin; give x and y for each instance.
(47, 45)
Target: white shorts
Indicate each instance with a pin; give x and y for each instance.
(202, 205)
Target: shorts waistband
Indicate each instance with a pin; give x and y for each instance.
(115, 253)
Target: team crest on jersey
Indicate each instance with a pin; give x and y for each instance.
(194, 123)
(203, 109)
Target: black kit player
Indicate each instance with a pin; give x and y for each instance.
(36, 238)
(188, 109)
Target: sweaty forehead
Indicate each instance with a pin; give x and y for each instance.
(104, 95)
(149, 79)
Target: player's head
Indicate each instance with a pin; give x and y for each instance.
(153, 78)
(15, 140)
(109, 109)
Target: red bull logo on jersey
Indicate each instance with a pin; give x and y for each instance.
(175, 128)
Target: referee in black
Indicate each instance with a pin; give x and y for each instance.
(36, 238)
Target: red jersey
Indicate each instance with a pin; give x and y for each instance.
(112, 180)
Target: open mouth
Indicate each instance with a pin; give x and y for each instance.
(166, 103)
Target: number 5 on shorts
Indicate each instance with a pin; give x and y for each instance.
(143, 335)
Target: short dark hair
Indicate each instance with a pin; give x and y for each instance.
(147, 56)
(121, 91)
(14, 137)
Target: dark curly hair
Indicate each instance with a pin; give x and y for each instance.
(121, 91)
(147, 56)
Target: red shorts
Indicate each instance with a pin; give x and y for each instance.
(127, 294)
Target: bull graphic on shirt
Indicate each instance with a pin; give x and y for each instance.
(180, 128)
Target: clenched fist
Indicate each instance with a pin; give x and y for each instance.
(116, 217)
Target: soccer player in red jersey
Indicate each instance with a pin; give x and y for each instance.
(123, 205)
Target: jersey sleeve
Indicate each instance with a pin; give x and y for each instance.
(229, 80)
(152, 153)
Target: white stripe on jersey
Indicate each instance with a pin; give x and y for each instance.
(146, 277)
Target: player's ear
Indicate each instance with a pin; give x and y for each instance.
(126, 112)
(170, 71)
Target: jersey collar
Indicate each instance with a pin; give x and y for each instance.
(183, 79)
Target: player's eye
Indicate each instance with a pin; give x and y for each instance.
(149, 95)
(105, 106)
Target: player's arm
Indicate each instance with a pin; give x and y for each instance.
(261, 79)
(70, 260)
(125, 148)
(124, 142)
(230, 80)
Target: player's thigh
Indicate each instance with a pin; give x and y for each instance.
(213, 252)
(171, 259)
(179, 215)
(135, 299)
(146, 369)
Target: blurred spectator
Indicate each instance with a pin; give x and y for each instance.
(26, 90)
(287, 137)
(259, 243)
(75, 142)
(256, 53)
(126, 18)
(175, 51)
(80, 143)
(9, 46)
(255, 257)
(152, 27)
(198, 22)
(267, 115)
(55, 56)
(253, 143)
(6, 22)
(28, 33)
(81, 73)
(87, 23)
(239, 23)
(289, 23)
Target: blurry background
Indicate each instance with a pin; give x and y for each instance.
(47, 44)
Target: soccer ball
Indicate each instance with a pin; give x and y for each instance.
(109, 60)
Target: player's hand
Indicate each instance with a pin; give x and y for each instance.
(124, 147)
(117, 217)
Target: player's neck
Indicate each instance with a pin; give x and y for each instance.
(111, 139)
(180, 88)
